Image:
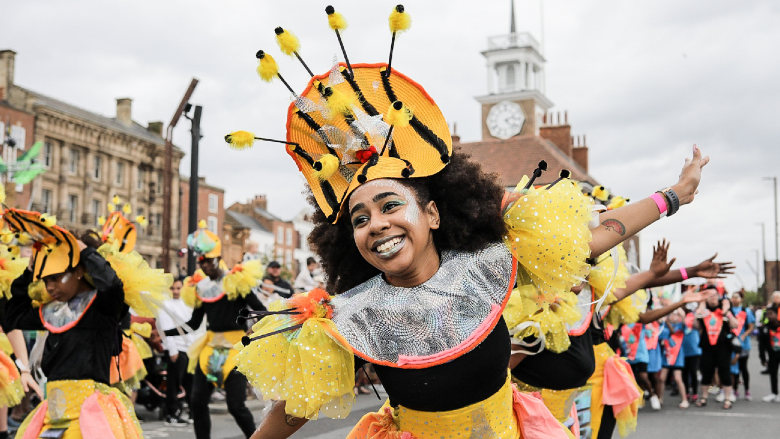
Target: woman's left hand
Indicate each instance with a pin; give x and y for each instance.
(690, 176)
(28, 382)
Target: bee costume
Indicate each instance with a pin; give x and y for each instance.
(362, 122)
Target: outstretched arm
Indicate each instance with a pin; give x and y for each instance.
(620, 224)
(655, 314)
(278, 424)
(707, 269)
(658, 268)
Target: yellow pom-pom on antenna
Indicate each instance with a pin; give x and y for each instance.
(116, 200)
(14, 250)
(240, 139)
(600, 193)
(48, 220)
(288, 42)
(398, 114)
(266, 67)
(202, 224)
(336, 21)
(326, 166)
(141, 220)
(617, 202)
(101, 220)
(7, 236)
(400, 21)
(126, 209)
(111, 207)
(338, 102)
(24, 239)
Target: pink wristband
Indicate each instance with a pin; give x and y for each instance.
(684, 273)
(660, 201)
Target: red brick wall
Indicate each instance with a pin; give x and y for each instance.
(580, 155)
(560, 135)
(203, 207)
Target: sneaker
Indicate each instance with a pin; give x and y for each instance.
(769, 398)
(736, 394)
(174, 421)
(721, 397)
(655, 403)
(748, 396)
(733, 397)
(777, 398)
(684, 404)
(714, 390)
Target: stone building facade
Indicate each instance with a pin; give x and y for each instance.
(90, 158)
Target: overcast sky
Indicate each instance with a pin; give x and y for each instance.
(644, 80)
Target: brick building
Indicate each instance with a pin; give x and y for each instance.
(211, 202)
(91, 157)
(17, 129)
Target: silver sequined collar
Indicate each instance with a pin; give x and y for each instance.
(432, 323)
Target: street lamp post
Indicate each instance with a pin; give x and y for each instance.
(192, 225)
(777, 239)
(763, 294)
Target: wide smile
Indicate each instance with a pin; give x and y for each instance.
(388, 247)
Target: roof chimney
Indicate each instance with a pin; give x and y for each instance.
(123, 110)
(155, 128)
(7, 61)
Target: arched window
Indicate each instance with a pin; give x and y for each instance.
(510, 77)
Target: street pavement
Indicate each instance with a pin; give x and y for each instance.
(746, 420)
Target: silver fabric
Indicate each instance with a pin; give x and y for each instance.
(209, 289)
(59, 314)
(385, 322)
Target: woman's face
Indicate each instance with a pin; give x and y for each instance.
(393, 232)
(64, 286)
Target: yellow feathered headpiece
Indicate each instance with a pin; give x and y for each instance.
(55, 250)
(203, 243)
(357, 122)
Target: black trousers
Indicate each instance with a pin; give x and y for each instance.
(235, 396)
(690, 374)
(608, 423)
(177, 377)
(719, 358)
(773, 364)
(743, 370)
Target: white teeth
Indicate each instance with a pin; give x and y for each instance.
(388, 245)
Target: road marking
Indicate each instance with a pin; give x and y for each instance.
(729, 415)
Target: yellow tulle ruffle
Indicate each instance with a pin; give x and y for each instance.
(37, 292)
(548, 233)
(11, 267)
(189, 292)
(138, 332)
(601, 274)
(523, 306)
(312, 369)
(627, 310)
(145, 288)
(242, 278)
(11, 391)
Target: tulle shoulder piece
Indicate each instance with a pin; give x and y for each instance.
(548, 232)
(242, 278)
(296, 355)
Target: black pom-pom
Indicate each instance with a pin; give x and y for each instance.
(543, 165)
(243, 312)
(260, 54)
(627, 200)
(279, 31)
(405, 173)
(362, 178)
(327, 92)
(228, 138)
(17, 236)
(601, 188)
(241, 320)
(329, 10)
(565, 173)
(317, 166)
(398, 105)
(245, 340)
(399, 8)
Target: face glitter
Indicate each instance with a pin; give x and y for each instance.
(412, 214)
(65, 278)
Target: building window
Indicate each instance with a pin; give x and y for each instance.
(213, 203)
(95, 210)
(73, 204)
(510, 78)
(289, 237)
(47, 154)
(46, 200)
(288, 259)
(212, 224)
(159, 183)
(280, 235)
(141, 177)
(98, 167)
(74, 161)
(158, 220)
(19, 134)
(120, 173)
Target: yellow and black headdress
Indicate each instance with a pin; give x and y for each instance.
(117, 228)
(356, 123)
(55, 250)
(203, 243)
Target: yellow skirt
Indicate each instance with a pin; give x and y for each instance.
(561, 403)
(508, 414)
(131, 367)
(85, 409)
(11, 391)
(616, 374)
(201, 350)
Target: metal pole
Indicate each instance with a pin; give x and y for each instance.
(777, 243)
(763, 294)
(193, 199)
(758, 285)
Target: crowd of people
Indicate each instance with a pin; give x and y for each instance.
(482, 312)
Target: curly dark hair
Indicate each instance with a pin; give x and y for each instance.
(469, 204)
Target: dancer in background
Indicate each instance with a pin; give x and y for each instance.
(769, 338)
(716, 321)
(746, 322)
(672, 338)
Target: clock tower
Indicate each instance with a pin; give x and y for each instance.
(515, 102)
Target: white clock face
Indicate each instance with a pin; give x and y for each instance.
(505, 120)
